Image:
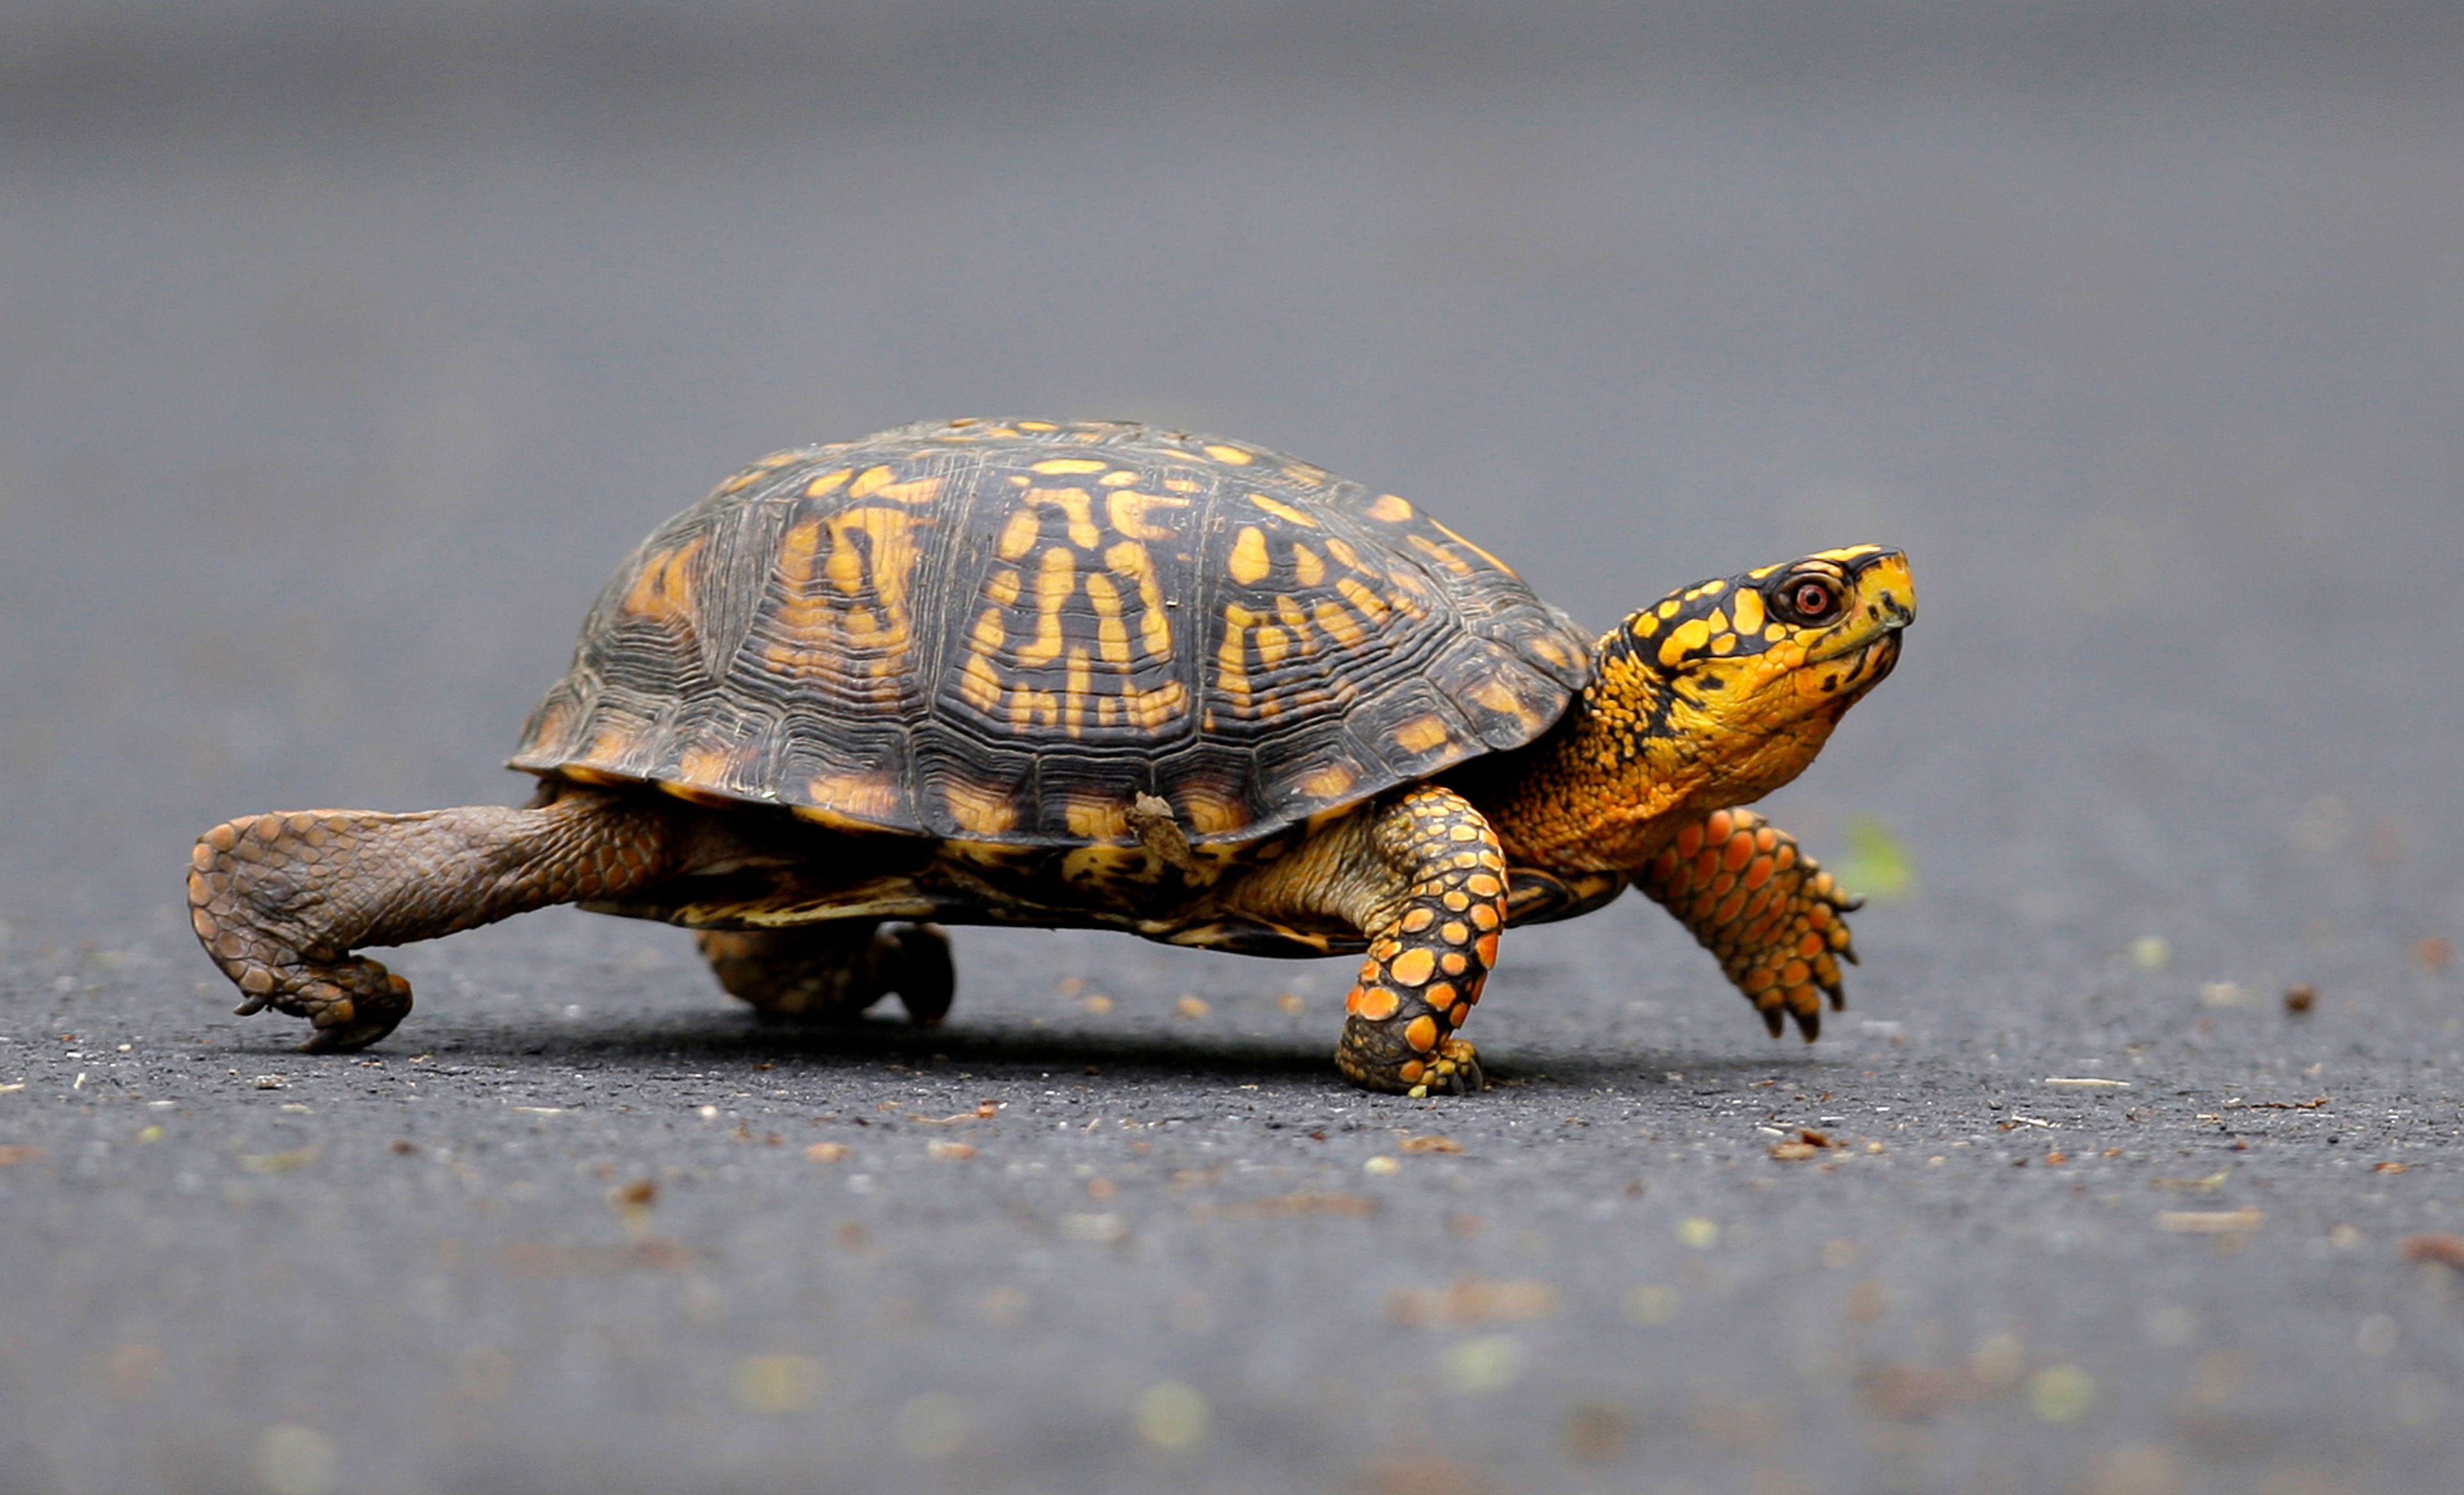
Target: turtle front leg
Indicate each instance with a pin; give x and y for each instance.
(1430, 949)
(281, 900)
(832, 972)
(1764, 908)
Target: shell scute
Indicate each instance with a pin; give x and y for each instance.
(1005, 631)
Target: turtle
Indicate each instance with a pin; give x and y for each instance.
(1090, 673)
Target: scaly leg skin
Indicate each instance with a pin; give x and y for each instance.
(1430, 946)
(832, 972)
(1764, 908)
(281, 900)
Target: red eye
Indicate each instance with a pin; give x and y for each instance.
(1813, 600)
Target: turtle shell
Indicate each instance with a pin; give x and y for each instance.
(1009, 631)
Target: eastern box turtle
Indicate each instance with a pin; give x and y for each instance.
(1096, 674)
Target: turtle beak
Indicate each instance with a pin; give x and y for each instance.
(1885, 590)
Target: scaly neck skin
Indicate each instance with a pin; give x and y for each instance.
(1639, 757)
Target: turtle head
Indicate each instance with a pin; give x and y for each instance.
(1736, 683)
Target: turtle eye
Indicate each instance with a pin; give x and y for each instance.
(1812, 599)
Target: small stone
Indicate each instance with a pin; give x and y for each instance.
(1489, 1362)
(2151, 952)
(2061, 1394)
(1698, 1232)
(1189, 1006)
(1432, 1143)
(777, 1383)
(828, 1152)
(1172, 1416)
(955, 1152)
(272, 1082)
(1381, 1165)
(1289, 1001)
(2301, 998)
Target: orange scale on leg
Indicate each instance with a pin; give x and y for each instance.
(1461, 1014)
(1376, 1004)
(1440, 996)
(1422, 1033)
(1486, 949)
(1453, 963)
(1760, 872)
(1417, 920)
(1716, 829)
(1456, 901)
(1688, 842)
(1809, 945)
(1483, 916)
(1740, 851)
(1412, 1072)
(1794, 972)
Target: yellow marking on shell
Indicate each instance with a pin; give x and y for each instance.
(1473, 546)
(1036, 426)
(1340, 626)
(1370, 606)
(1441, 555)
(1029, 707)
(1184, 485)
(1328, 782)
(1210, 814)
(1421, 734)
(1154, 709)
(1128, 512)
(1391, 508)
(1232, 659)
(1684, 639)
(1307, 566)
(1054, 586)
(693, 794)
(873, 797)
(880, 482)
(1118, 477)
(1060, 465)
(1112, 635)
(1288, 512)
(1074, 693)
(1078, 506)
(1130, 559)
(1250, 562)
(1748, 607)
(827, 483)
(1096, 818)
(612, 744)
(1342, 550)
(978, 810)
(1553, 652)
(1500, 697)
(704, 767)
(1017, 536)
(663, 591)
(1232, 455)
(1273, 644)
(1003, 585)
(1295, 618)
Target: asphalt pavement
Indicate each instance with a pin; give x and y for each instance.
(347, 352)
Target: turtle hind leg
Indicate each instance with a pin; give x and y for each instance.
(832, 972)
(1769, 914)
(281, 901)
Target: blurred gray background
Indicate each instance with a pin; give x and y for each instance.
(345, 348)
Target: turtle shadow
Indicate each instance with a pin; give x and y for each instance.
(876, 1041)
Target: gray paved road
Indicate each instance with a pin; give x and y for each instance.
(345, 357)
